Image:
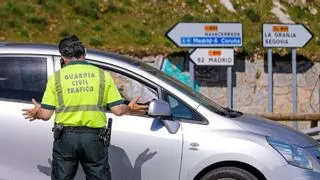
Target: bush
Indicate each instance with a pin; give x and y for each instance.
(252, 15)
(96, 41)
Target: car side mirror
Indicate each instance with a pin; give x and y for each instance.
(159, 109)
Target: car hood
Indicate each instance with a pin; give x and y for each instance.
(273, 129)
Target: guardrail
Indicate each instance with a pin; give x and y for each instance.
(291, 116)
(314, 132)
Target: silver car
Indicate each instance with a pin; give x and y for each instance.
(185, 135)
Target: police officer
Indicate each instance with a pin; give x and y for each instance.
(78, 94)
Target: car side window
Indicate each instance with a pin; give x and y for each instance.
(130, 88)
(22, 78)
(181, 110)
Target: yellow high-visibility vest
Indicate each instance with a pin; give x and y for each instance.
(79, 93)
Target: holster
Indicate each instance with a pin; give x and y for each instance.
(57, 131)
(105, 134)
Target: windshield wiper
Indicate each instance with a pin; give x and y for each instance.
(231, 113)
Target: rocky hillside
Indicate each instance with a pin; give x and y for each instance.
(138, 27)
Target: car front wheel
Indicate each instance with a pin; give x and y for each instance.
(229, 173)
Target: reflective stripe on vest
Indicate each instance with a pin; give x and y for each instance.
(62, 108)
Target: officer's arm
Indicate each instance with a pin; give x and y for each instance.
(132, 107)
(44, 114)
(37, 112)
(120, 110)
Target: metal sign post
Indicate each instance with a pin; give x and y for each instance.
(191, 71)
(209, 35)
(270, 81)
(230, 90)
(294, 85)
(285, 36)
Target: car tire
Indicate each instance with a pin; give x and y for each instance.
(229, 173)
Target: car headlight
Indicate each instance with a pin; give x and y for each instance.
(293, 154)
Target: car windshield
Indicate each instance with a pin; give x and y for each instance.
(201, 99)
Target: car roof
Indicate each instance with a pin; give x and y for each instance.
(121, 61)
(49, 49)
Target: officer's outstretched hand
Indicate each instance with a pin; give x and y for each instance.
(135, 107)
(31, 114)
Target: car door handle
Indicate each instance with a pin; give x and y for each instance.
(194, 146)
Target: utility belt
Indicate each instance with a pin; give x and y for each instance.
(103, 133)
(82, 129)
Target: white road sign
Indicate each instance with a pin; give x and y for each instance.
(206, 35)
(285, 35)
(212, 57)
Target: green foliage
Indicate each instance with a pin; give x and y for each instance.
(128, 27)
(41, 2)
(70, 2)
(250, 45)
(114, 9)
(252, 15)
(215, 19)
(126, 2)
(64, 33)
(168, 43)
(298, 13)
(192, 2)
(96, 41)
(50, 6)
(18, 9)
(24, 33)
(142, 37)
(87, 8)
(188, 18)
(97, 27)
(38, 20)
(14, 23)
(127, 24)
(236, 6)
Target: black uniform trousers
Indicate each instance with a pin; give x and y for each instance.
(75, 147)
